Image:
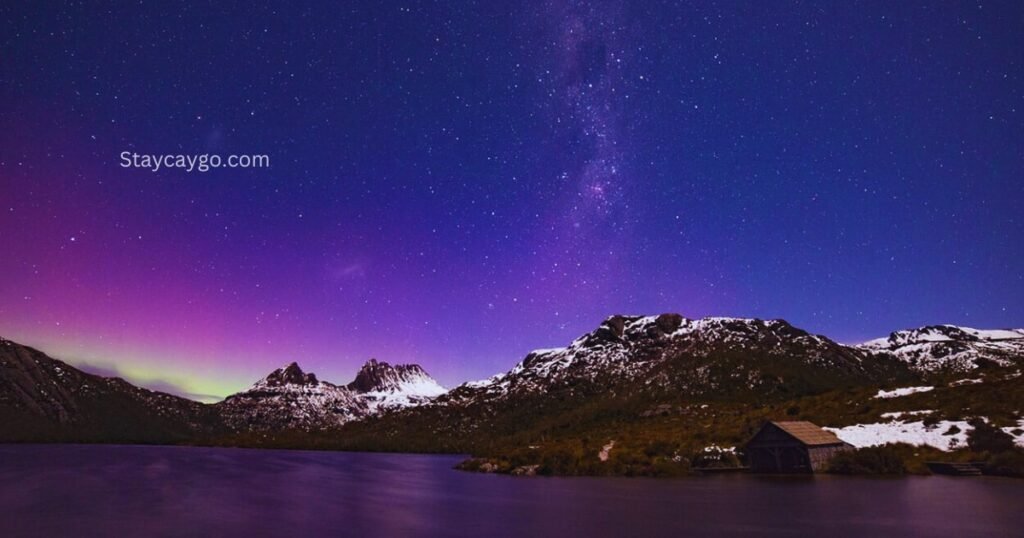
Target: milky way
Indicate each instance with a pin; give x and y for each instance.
(456, 185)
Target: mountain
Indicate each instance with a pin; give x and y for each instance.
(710, 357)
(951, 349)
(384, 386)
(291, 399)
(44, 399)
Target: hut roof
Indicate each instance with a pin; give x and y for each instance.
(808, 433)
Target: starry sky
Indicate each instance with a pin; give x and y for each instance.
(457, 183)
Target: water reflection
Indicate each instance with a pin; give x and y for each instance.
(177, 491)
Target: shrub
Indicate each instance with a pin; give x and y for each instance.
(560, 461)
(665, 467)
(1009, 463)
(875, 460)
(627, 461)
(988, 438)
(661, 448)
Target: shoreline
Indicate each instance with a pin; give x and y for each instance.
(465, 459)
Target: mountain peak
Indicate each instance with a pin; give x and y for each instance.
(291, 374)
(380, 376)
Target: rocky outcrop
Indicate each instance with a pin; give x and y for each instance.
(290, 375)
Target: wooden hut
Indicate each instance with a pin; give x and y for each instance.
(792, 447)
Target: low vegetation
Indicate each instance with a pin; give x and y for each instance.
(996, 448)
(877, 460)
(1009, 463)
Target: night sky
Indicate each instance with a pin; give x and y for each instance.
(457, 183)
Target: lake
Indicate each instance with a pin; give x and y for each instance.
(80, 490)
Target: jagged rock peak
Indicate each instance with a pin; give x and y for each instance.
(291, 374)
(379, 376)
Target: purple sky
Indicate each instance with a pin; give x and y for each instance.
(456, 187)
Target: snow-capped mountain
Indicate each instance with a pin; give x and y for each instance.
(384, 386)
(949, 348)
(290, 399)
(626, 363)
(672, 353)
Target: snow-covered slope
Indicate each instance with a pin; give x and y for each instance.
(937, 348)
(943, 434)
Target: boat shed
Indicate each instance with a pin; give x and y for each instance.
(792, 447)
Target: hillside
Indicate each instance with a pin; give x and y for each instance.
(44, 399)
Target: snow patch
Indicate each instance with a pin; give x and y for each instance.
(896, 393)
(994, 334)
(899, 414)
(960, 382)
(1018, 438)
(914, 433)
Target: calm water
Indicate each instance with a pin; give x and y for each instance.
(171, 491)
